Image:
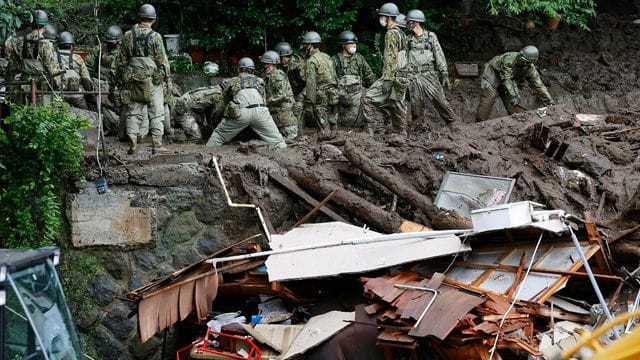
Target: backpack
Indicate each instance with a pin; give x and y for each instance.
(247, 95)
(31, 63)
(71, 77)
(141, 68)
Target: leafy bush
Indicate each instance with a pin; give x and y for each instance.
(181, 63)
(572, 12)
(40, 149)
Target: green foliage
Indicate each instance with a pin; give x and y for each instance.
(12, 16)
(78, 271)
(572, 12)
(181, 63)
(217, 24)
(40, 149)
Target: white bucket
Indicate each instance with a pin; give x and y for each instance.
(172, 42)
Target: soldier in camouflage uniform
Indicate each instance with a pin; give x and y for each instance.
(424, 68)
(500, 77)
(76, 77)
(244, 107)
(143, 67)
(111, 111)
(293, 65)
(321, 84)
(354, 75)
(382, 95)
(33, 57)
(204, 102)
(279, 95)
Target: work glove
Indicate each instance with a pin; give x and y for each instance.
(514, 100)
(445, 81)
(386, 86)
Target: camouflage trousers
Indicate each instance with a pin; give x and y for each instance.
(257, 119)
(426, 87)
(289, 132)
(138, 125)
(285, 120)
(188, 123)
(375, 101)
(489, 94)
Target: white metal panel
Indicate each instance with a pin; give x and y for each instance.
(335, 260)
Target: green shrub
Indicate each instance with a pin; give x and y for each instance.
(40, 148)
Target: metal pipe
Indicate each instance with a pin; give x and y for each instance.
(421, 288)
(592, 278)
(379, 238)
(32, 85)
(232, 204)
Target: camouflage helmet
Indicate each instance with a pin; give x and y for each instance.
(210, 68)
(40, 18)
(113, 34)
(311, 37)
(50, 32)
(347, 37)
(389, 9)
(416, 15)
(246, 64)
(65, 38)
(270, 57)
(147, 11)
(529, 53)
(283, 48)
(401, 20)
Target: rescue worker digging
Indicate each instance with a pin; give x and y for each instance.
(423, 68)
(354, 75)
(142, 66)
(245, 107)
(206, 102)
(279, 95)
(293, 65)
(500, 77)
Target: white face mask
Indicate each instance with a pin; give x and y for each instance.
(383, 23)
(351, 50)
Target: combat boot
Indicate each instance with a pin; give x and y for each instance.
(158, 148)
(133, 145)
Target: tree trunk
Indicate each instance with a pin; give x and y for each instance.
(358, 207)
(440, 219)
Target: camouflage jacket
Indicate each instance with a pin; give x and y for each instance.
(62, 57)
(200, 99)
(353, 65)
(295, 72)
(511, 72)
(320, 74)
(106, 64)
(427, 46)
(394, 42)
(20, 50)
(234, 86)
(146, 46)
(277, 88)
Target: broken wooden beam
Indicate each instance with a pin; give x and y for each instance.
(294, 188)
(440, 219)
(354, 204)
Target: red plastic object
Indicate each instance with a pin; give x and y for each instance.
(183, 353)
(254, 352)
